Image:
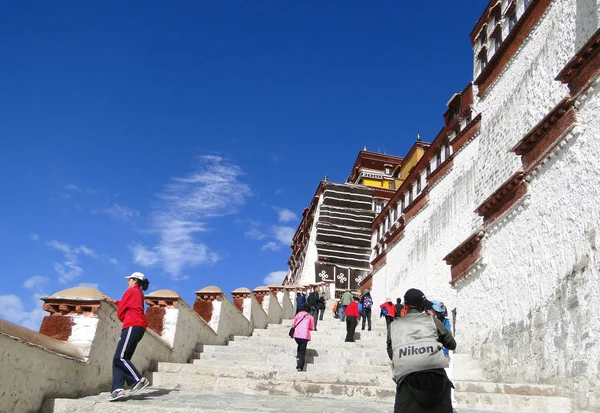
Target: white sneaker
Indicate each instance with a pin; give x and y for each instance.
(139, 386)
(116, 395)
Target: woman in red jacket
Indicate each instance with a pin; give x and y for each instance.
(130, 310)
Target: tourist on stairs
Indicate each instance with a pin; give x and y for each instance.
(346, 299)
(367, 303)
(414, 344)
(400, 311)
(312, 303)
(130, 311)
(352, 316)
(388, 310)
(302, 324)
(321, 306)
(300, 302)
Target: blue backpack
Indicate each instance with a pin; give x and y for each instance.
(367, 302)
(383, 312)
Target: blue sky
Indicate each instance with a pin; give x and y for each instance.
(183, 140)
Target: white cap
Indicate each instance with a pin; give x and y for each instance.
(137, 276)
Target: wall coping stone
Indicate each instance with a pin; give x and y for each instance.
(40, 340)
(163, 294)
(210, 289)
(77, 293)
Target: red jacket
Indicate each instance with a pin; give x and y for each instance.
(391, 309)
(130, 309)
(352, 309)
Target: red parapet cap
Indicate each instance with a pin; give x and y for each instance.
(583, 67)
(534, 145)
(210, 293)
(162, 298)
(465, 248)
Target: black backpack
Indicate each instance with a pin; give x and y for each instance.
(312, 299)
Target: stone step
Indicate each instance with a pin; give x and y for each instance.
(340, 335)
(363, 378)
(266, 351)
(333, 366)
(279, 357)
(170, 400)
(287, 343)
(523, 389)
(514, 402)
(299, 387)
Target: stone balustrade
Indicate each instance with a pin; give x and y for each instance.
(247, 303)
(268, 300)
(72, 353)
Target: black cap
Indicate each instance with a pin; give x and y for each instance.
(416, 298)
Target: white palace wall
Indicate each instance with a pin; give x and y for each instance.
(530, 314)
(416, 260)
(522, 95)
(530, 311)
(308, 267)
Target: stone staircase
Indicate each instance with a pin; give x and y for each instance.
(257, 371)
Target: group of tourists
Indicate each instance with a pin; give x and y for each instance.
(419, 340)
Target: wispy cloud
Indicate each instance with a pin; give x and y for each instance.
(35, 237)
(118, 212)
(72, 187)
(270, 246)
(286, 215)
(284, 234)
(70, 268)
(90, 285)
(13, 309)
(113, 261)
(36, 283)
(275, 277)
(213, 190)
(280, 191)
(255, 233)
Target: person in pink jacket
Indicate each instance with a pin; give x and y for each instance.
(303, 324)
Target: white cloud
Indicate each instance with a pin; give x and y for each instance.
(13, 310)
(70, 268)
(37, 283)
(255, 233)
(286, 215)
(143, 256)
(86, 251)
(212, 190)
(270, 246)
(67, 271)
(280, 191)
(113, 261)
(284, 234)
(90, 285)
(59, 246)
(72, 187)
(35, 237)
(118, 212)
(275, 277)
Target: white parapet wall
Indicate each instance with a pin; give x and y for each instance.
(36, 366)
(247, 303)
(221, 314)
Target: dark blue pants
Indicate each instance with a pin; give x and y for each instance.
(123, 368)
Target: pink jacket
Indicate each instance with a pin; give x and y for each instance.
(304, 325)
